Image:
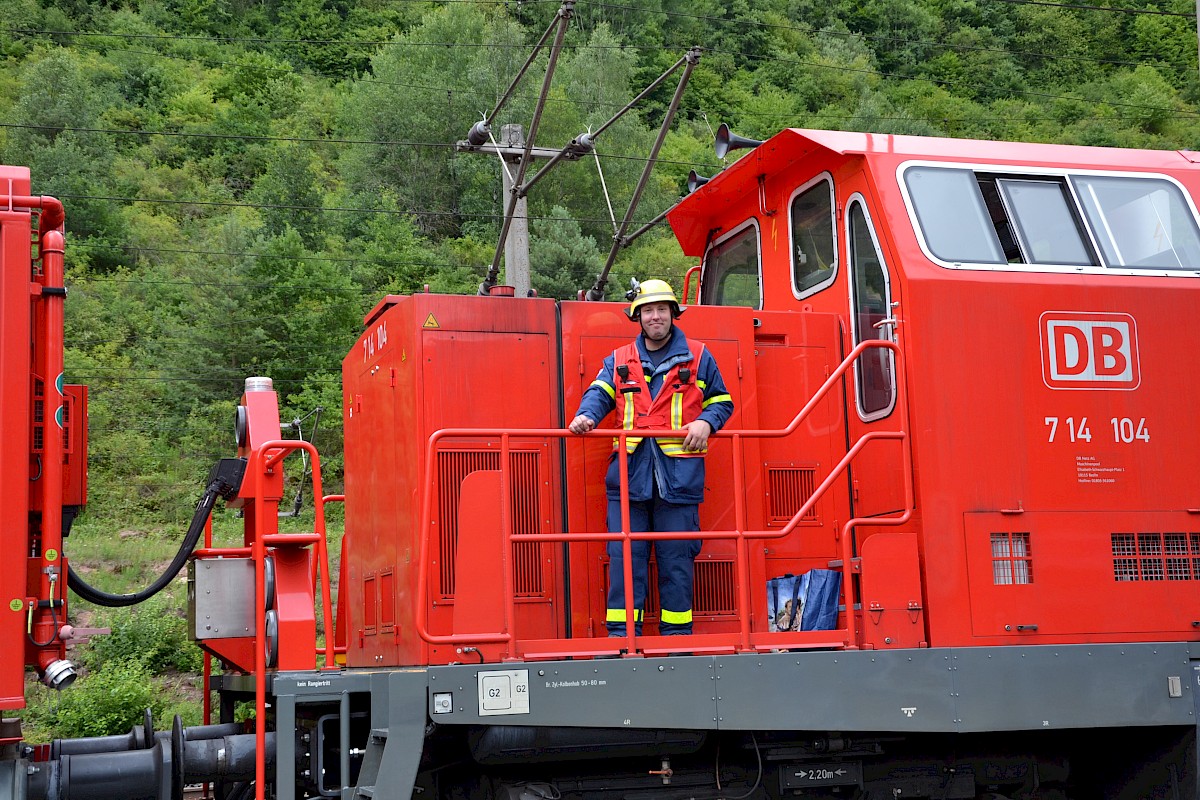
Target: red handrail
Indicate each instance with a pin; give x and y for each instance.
(687, 284)
(739, 533)
(262, 462)
(338, 650)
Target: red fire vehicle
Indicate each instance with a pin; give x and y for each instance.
(960, 373)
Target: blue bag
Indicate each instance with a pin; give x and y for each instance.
(807, 602)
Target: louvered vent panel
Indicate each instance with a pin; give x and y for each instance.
(713, 591)
(370, 605)
(789, 488)
(387, 601)
(66, 424)
(453, 466)
(528, 573)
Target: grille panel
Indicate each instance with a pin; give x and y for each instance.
(525, 502)
(789, 488)
(712, 592)
(1156, 556)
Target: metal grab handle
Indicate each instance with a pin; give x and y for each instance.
(882, 322)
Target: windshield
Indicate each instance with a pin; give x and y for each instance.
(978, 217)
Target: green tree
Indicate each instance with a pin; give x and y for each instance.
(289, 195)
(307, 310)
(318, 39)
(412, 108)
(59, 109)
(563, 259)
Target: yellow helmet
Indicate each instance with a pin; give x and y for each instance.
(652, 291)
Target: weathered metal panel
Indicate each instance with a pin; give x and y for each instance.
(894, 690)
(1073, 686)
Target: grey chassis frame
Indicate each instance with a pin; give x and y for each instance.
(941, 690)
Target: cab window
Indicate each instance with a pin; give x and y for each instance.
(1046, 226)
(870, 300)
(1140, 222)
(979, 217)
(814, 241)
(731, 275)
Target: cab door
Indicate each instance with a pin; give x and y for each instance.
(876, 473)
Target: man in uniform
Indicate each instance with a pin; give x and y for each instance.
(658, 381)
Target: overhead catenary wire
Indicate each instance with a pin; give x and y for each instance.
(748, 56)
(247, 254)
(757, 56)
(287, 139)
(945, 82)
(711, 18)
(291, 207)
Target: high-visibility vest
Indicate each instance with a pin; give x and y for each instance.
(679, 400)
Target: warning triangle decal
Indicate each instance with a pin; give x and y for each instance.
(430, 322)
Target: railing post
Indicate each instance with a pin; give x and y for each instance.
(743, 547)
(626, 548)
(258, 553)
(510, 601)
(848, 588)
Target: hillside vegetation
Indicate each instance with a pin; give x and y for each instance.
(243, 181)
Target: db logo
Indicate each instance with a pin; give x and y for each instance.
(1083, 350)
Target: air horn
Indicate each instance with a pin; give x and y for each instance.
(727, 140)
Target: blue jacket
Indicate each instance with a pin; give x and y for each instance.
(679, 480)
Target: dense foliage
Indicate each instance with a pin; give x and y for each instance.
(145, 662)
(244, 180)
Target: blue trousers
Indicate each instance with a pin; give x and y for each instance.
(675, 559)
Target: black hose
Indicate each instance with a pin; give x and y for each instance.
(102, 598)
(223, 481)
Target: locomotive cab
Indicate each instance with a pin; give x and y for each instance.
(1035, 292)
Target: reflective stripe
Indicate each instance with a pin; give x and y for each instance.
(702, 384)
(675, 617)
(610, 391)
(675, 446)
(627, 423)
(716, 398)
(618, 615)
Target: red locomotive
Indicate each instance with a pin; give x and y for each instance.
(960, 379)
